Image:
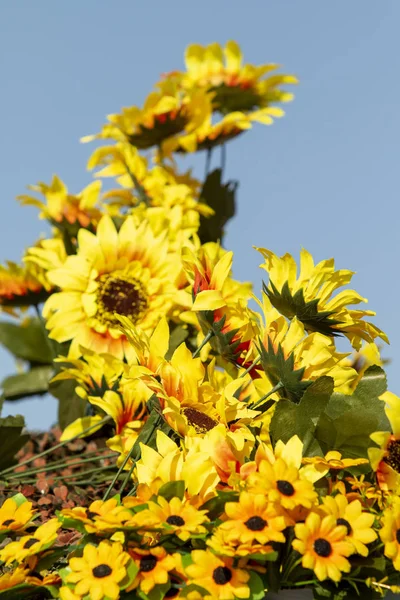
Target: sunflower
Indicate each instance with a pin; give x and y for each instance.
(283, 484)
(223, 544)
(333, 461)
(129, 272)
(10, 579)
(100, 572)
(351, 515)
(253, 518)
(385, 460)
(29, 545)
(63, 209)
(100, 515)
(166, 112)
(179, 517)
(217, 576)
(154, 567)
(20, 287)
(15, 516)
(323, 545)
(234, 86)
(309, 297)
(390, 533)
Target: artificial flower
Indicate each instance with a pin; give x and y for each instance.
(15, 516)
(385, 460)
(217, 576)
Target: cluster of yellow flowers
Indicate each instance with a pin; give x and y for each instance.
(229, 421)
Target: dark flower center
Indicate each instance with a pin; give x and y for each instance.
(393, 457)
(172, 592)
(8, 522)
(398, 535)
(120, 294)
(222, 575)
(285, 487)
(147, 563)
(322, 547)
(255, 523)
(341, 521)
(29, 543)
(175, 520)
(200, 421)
(91, 515)
(101, 571)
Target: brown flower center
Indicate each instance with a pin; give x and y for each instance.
(8, 522)
(393, 456)
(101, 571)
(175, 520)
(255, 523)
(29, 543)
(91, 515)
(285, 487)
(120, 294)
(322, 547)
(147, 563)
(341, 521)
(222, 575)
(398, 535)
(200, 421)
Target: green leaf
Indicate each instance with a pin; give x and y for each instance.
(302, 419)
(11, 439)
(256, 586)
(34, 382)
(216, 506)
(172, 489)
(157, 593)
(177, 336)
(70, 405)
(348, 421)
(27, 341)
(307, 312)
(25, 592)
(281, 370)
(221, 198)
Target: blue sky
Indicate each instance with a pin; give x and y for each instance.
(325, 177)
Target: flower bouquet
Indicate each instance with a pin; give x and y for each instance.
(212, 443)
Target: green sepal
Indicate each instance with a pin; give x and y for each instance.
(221, 198)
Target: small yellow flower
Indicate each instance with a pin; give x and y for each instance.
(100, 516)
(180, 517)
(12, 578)
(385, 460)
(390, 533)
(15, 516)
(29, 545)
(154, 568)
(100, 571)
(324, 547)
(333, 461)
(357, 522)
(217, 576)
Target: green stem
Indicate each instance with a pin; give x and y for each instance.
(253, 364)
(124, 462)
(60, 465)
(208, 163)
(205, 341)
(69, 246)
(60, 445)
(277, 387)
(223, 159)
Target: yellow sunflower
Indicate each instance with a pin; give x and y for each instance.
(333, 461)
(385, 460)
(100, 516)
(324, 547)
(217, 576)
(20, 287)
(10, 579)
(129, 272)
(29, 545)
(309, 297)
(100, 572)
(253, 518)
(154, 567)
(390, 533)
(15, 516)
(64, 209)
(234, 85)
(224, 544)
(180, 517)
(357, 522)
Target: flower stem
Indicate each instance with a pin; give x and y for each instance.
(253, 364)
(259, 402)
(205, 341)
(61, 465)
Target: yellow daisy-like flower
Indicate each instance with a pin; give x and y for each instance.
(234, 85)
(12, 578)
(217, 576)
(100, 515)
(225, 545)
(15, 516)
(324, 547)
(283, 484)
(357, 522)
(308, 297)
(181, 517)
(129, 272)
(390, 533)
(253, 518)
(154, 568)
(165, 113)
(385, 460)
(62, 208)
(19, 287)
(333, 461)
(29, 545)
(100, 571)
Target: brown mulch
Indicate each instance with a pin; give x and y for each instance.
(70, 483)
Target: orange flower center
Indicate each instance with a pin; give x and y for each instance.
(101, 571)
(120, 294)
(322, 548)
(222, 575)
